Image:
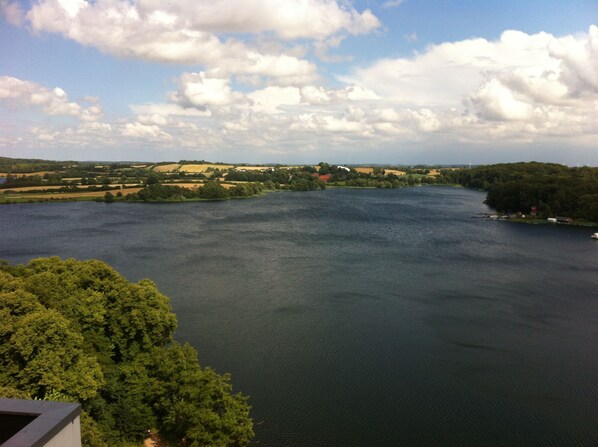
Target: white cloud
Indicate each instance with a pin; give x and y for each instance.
(16, 92)
(579, 61)
(154, 119)
(187, 31)
(289, 19)
(446, 72)
(144, 131)
(170, 109)
(519, 88)
(534, 84)
(270, 99)
(494, 101)
(323, 46)
(201, 91)
(95, 127)
(150, 31)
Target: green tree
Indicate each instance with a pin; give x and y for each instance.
(77, 330)
(206, 415)
(152, 179)
(41, 352)
(213, 191)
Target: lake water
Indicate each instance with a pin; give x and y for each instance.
(362, 317)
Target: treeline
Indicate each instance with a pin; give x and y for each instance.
(78, 331)
(311, 177)
(48, 179)
(212, 190)
(295, 179)
(24, 165)
(552, 189)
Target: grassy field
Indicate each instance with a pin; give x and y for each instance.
(366, 170)
(41, 187)
(83, 195)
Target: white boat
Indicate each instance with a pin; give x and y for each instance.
(594, 236)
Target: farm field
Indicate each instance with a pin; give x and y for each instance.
(42, 187)
(66, 195)
(26, 174)
(365, 170)
(190, 168)
(395, 172)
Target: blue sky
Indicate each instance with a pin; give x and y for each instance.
(300, 81)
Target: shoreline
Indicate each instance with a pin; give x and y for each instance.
(533, 221)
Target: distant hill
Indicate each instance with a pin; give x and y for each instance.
(24, 165)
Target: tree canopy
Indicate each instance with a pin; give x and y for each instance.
(79, 331)
(552, 189)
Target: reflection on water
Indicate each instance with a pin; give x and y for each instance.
(363, 317)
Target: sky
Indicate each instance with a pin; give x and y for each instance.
(300, 81)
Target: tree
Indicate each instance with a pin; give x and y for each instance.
(207, 415)
(152, 179)
(78, 330)
(108, 197)
(324, 168)
(213, 191)
(41, 352)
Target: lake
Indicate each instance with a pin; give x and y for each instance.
(362, 317)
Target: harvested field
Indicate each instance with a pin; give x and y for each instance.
(253, 168)
(201, 168)
(166, 168)
(72, 195)
(45, 188)
(197, 185)
(394, 171)
(365, 170)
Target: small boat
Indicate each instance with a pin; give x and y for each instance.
(594, 236)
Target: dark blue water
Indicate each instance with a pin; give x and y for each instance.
(363, 317)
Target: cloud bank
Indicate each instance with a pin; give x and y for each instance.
(188, 31)
(258, 90)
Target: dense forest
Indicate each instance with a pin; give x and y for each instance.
(79, 331)
(552, 189)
